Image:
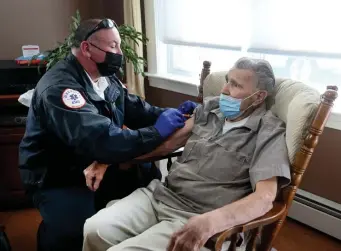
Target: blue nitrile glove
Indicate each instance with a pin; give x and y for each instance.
(169, 121)
(187, 107)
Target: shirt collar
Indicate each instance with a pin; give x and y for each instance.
(83, 80)
(255, 117)
(100, 86)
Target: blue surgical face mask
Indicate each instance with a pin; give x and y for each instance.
(230, 106)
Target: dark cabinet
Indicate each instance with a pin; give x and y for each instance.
(14, 80)
(12, 194)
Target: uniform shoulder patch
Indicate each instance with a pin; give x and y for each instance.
(73, 99)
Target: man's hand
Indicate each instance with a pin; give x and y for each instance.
(193, 235)
(187, 107)
(94, 175)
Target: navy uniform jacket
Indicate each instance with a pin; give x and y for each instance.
(69, 126)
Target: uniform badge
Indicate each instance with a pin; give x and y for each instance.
(73, 99)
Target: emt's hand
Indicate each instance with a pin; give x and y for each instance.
(94, 175)
(169, 121)
(193, 235)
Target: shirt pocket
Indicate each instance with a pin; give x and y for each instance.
(224, 166)
(187, 153)
(192, 148)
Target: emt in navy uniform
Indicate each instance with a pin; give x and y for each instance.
(76, 117)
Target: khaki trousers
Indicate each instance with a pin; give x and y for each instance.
(137, 222)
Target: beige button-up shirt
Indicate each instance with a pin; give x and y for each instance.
(216, 169)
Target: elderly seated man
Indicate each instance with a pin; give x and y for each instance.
(234, 161)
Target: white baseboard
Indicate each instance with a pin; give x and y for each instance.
(317, 212)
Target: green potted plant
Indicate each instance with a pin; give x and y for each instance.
(128, 35)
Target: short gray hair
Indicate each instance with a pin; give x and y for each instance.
(263, 71)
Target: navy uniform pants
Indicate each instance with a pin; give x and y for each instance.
(64, 210)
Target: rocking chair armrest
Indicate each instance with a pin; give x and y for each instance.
(176, 153)
(277, 211)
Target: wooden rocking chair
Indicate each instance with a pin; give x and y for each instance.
(290, 98)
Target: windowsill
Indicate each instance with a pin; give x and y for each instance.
(175, 78)
(189, 86)
(174, 83)
(334, 121)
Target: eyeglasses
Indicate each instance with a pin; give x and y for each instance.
(104, 24)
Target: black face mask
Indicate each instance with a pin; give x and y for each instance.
(111, 64)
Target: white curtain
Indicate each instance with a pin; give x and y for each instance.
(132, 16)
(296, 25)
(279, 25)
(202, 22)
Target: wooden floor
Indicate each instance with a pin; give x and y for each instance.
(295, 236)
(21, 227)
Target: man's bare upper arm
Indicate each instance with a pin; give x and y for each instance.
(175, 141)
(180, 137)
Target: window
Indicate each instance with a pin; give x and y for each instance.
(299, 38)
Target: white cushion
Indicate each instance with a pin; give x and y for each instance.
(296, 104)
(292, 101)
(213, 84)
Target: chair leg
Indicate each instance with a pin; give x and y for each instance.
(4, 241)
(233, 245)
(169, 163)
(253, 243)
(39, 237)
(269, 234)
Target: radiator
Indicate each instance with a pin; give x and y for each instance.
(317, 212)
